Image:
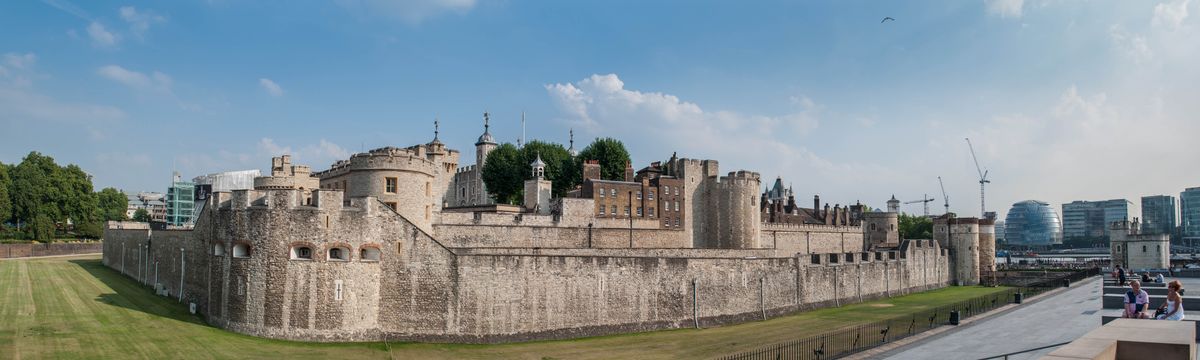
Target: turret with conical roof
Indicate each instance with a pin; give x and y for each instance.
(485, 144)
(893, 204)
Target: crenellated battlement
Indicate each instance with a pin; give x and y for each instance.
(766, 226)
(414, 158)
(332, 200)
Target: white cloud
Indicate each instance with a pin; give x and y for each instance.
(412, 12)
(1005, 8)
(1132, 45)
(155, 81)
(140, 21)
(319, 155)
(654, 125)
(1171, 14)
(20, 61)
(271, 87)
(100, 35)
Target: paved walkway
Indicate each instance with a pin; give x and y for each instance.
(1050, 320)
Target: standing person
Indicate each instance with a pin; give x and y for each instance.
(1135, 301)
(1120, 276)
(1174, 304)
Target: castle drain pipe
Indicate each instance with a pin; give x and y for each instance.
(182, 268)
(695, 304)
(762, 301)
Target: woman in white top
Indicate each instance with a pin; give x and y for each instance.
(1174, 304)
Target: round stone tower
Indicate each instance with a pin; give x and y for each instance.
(987, 245)
(961, 237)
(738, 219)
(880, 230)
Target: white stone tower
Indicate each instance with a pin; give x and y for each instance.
(893, 205)
(538, 189)
(485, 144)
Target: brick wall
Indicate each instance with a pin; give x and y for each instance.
(29, 250)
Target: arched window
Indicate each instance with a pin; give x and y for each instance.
(368, 253)
(241, 250)
(301, 252)
(219, 249)
(872, 227)
(339, 254)
(1143, 248)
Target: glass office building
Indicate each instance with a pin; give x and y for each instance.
(1158, 214)
(1092, 219)
(1032, 222)
(1189, 215)
(180, 202)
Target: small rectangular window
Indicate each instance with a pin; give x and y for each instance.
(389, 185)
(676, 206)
(612, 192)
(639, 194)
(614, 210)
(639, 211)
(651, 212)
(601, 192)
(651, 195)
(626, 211)
(337, 290)
(601, 209)
(676, 191)
(428, 189)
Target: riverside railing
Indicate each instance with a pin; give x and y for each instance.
(842, 342)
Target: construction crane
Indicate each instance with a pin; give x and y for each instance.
(925, 199)
(945, 197)
(982, 179)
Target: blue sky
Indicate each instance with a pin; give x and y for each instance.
(1063, 99)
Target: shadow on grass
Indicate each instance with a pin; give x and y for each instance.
(134, 296)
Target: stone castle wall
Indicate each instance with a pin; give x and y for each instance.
(807, 239)
(421, 290)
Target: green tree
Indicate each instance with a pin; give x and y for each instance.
(6, 208)
(502, 173)
(915, 227)
(612, 156)
(112, 204)
(34, 194)
(555, 156)
(141, 215)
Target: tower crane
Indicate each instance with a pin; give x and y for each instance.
(982, 179)
(945, 197)
(925, 199)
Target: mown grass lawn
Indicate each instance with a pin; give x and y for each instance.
(74, 307)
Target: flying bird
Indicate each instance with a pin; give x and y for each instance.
(886, 19)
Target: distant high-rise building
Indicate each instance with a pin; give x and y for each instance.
(1032, 222)
(220, 182)
(180, 202)
(1189, 205)
(1158, 214)
(1091, 219)
(1000, 238)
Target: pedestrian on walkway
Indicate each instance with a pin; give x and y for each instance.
(1135, 301)
(1120, 276)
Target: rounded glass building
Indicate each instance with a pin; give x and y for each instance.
(1032, 222)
